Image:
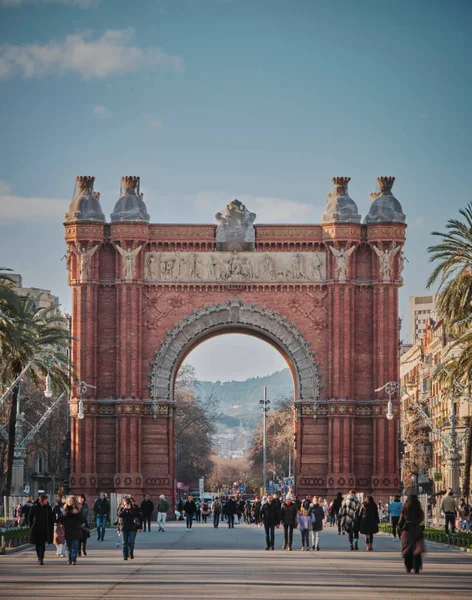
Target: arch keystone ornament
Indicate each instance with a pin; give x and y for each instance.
(144, 295)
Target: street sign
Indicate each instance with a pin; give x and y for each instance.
(241, 488)
(438, 476)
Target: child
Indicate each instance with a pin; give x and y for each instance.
(304, 524)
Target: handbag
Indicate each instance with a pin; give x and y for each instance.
(85, 532)
(60, 535)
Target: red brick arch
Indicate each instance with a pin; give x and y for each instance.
(337, 332)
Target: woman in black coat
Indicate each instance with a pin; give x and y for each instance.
(129, 523)
(411, 517)
(73, 521)
(41, 521)
(369, 521)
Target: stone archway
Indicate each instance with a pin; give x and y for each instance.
(231, 316)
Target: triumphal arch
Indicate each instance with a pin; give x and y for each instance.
(144, 295)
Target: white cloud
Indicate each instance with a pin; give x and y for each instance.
(101, 111)
(78, 3)
(17, 208)
(110, 54)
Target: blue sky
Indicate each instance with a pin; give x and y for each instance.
(209, 100)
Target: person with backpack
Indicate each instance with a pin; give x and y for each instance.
(205, 511)
(162, 508)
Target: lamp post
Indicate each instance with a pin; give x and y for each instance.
(67, 438)
(265, 407)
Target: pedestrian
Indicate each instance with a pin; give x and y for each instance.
(334, 512)
(231, 507)
(190, 509)
(147, 508)
(248, 512)
(288, 518)
(369, 520)
(59, 534)
(464, 515)
(101, 510)
(241, 509)
(306, 503)
(129, 522)
(216, 508)
(256, 511)
(326, 510)
(27, 506)
(411, 517)
(395, 510)
(348, 518)
(198, 511)
(73, 521)
(41, 522)
(304, 525)
(162, 508)
(317, 516)
(205, 511)
(449, 508)
(84, 507)
(270, 515)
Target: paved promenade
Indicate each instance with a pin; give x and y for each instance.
(223, 564)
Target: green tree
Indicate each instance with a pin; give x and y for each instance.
(453, 270)
(38, 337)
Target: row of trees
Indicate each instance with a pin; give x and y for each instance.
(33, 340)
(453, 271)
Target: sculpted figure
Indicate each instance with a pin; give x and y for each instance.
(152, 267)
(226, 269)
(179, 262)
(298, 267)
(168, 267)
(213, 267)
(268, 267)
(194, 267)
(386, 259)
(129, 261)
(85, 257)
(236, 264)
(246, 269)
(316, 266)
(342, 256)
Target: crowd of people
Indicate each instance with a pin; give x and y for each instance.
(67, 523)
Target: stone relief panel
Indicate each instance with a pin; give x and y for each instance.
(235, 266)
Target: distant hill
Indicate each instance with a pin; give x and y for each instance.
(240, 399)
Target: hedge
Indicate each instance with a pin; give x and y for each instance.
(461, 539)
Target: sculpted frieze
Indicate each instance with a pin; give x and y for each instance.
(235, 266)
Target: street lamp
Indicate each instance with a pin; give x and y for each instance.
(265, 407)
(391, 389)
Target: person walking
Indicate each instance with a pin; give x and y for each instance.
(25, 509)
(317, 516)
(348, 518)
(41, 522)
(198, 511)
(73, 521)
(216, 508)
(395, 510)
(84, 507)
(449, 508)
(270, 515)
(256, 511)
(101, 510)
(59, 536)
(205, 511)
(129, 523)
(288, 517)
(231, 509)
(334, 511)
(304, 525)
(369, 520)
(147, 508)
(162, 508)
(411, 517)
(190, 509)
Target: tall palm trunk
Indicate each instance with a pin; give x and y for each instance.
(11, 435)
(468, 463)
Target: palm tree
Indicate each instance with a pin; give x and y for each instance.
(37, 337)
(454, 303)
